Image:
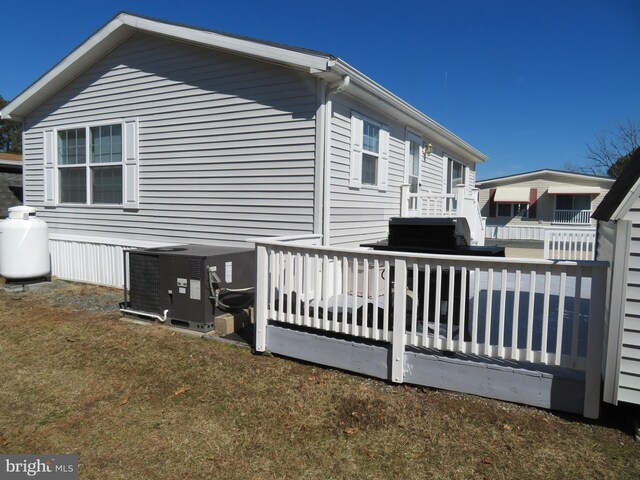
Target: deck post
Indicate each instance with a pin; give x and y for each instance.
(461, 207)
(404, 199)
(262, 285)
(399, 320)
(595, 340)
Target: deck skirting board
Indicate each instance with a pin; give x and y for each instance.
(358, 357)
(550, 388)
(553, 391)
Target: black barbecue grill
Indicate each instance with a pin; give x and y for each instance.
(444, 236)
(448, 236)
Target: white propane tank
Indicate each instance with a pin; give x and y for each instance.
(24, 245)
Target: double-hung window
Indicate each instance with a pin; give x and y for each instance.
(369, 153)
(92, 165)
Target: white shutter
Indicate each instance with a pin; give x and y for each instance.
(130, 172)
(383, 168)
(355, 177)
(50, 183)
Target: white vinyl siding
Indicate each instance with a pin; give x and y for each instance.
(224, 152)
(619, 244)
(629, 382)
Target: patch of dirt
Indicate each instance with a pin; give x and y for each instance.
(77, 296)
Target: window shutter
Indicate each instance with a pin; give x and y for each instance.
(50, 179)
(130, 173)
(492, 204)
(533, 202)
(383, 168)
(355, 177)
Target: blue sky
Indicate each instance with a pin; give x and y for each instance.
(528, 83)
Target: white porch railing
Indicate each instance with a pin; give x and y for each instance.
(458, 204)
(575, 217)
(535, 311)
(569, 244)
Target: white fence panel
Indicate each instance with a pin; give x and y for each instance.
(569, 244)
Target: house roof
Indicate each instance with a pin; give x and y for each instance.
(10, 161)
(618, 201)
(10, 157)
(565, 176)
(323, 65)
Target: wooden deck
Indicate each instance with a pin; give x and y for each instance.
(515, 329)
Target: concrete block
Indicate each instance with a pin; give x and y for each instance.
(11, 288)
(38, 287)
(228, 323)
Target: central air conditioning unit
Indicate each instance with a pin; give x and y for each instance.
(188, 285)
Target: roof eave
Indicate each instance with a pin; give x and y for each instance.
(77, 61)
(450, 142)
(520, 176)
(123, 26)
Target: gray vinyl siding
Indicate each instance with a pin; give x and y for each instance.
(432, 174)
(629, 381)
(361, 215)
(227, 144)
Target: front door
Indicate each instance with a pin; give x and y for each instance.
(413, 154)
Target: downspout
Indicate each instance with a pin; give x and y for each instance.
(326, 194)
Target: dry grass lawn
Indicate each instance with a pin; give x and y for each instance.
(139, 402)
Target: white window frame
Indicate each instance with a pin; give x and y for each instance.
(88, 165)
(128, 163)
(358, 151)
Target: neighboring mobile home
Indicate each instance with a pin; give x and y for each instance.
(10, 181)
(618, 219)
(522, 206)
(155, 133)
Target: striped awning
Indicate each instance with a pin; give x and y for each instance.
(511, 195)
(572, 190)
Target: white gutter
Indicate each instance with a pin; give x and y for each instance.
(326, 160)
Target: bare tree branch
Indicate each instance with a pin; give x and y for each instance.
(611, 149)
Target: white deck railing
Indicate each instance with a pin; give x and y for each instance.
(575, 217)
(569, 244)
(458, 204)
(534, 311)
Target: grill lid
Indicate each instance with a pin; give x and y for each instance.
(429, 234)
